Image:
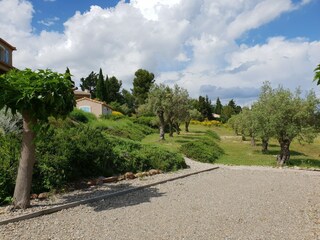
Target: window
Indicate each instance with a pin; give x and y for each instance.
(6, 56)
(85, 108)
(2, 53)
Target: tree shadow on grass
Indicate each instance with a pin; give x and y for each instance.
(308, 162)
(126, 200)
(269, 145)
(183, 141)
(276, 152)
(191, 137)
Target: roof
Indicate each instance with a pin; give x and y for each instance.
(7, 44)
(94, 100)
(81, 93)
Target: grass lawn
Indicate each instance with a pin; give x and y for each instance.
(238, 152)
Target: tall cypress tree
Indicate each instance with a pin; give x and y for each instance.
(101, 89)
(218, 108)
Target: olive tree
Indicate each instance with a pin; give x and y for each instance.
(36, 95)
(289, 116)
(158, 103)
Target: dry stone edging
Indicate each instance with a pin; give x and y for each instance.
(98, 198)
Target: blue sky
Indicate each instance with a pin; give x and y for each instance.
(299, 23)
(56, 12)
(221, 48)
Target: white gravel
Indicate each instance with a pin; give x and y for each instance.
(228, 203)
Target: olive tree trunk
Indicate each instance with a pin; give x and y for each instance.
(284, 155)
(265, 144)
(170, 128)
(162, 124)
(21, 197)
(177, 127)
(186, 126)
(253, 141)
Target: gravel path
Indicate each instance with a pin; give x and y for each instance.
(228, 203)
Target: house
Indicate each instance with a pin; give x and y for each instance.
(94, 106)
(214, 115)
(81, 94)
(5, 56)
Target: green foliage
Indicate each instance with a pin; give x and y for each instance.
(82, 116)
(90, 83)
(213, 135)
(205, 149)
(147, 121)
(113, 86)
(42, 94)
(10, 123)
(134, 156)
(67, 154)
(123, 128)
(142, 83)
(101, 93)
(205, 107)
(317, 74)
(9, 154)
(218, 107)
(202, 151)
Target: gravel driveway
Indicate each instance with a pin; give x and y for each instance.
(228, 203)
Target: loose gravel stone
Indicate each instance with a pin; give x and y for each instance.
(228, 203)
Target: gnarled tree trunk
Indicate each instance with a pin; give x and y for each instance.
(284, 155)
(265, 144)
(170, 128)
(21, 197)
(177, 127)
(186, 126)
(162, 124)
(253, 141)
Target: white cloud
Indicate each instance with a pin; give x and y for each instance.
(49, 21)
(188, 42)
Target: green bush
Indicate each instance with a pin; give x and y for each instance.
(135, 157)
(82, 116)
(9, 156)
(68, 154)
(123, 128)
(147, 121)
(205, 149)
(212, 135)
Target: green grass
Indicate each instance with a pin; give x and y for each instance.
(238, 152)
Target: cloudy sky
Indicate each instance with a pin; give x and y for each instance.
(219, 48)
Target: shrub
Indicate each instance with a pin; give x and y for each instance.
(202, 151)
(68, 154)
(82, 116)
(147, 121)
(9, 157)
(123, 128)
(213, 135)
(134, 156)
(207, 123)
(205, 149)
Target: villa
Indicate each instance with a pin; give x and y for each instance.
(96, 107)
(5, 56)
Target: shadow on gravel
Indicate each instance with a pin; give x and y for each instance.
(126, 200)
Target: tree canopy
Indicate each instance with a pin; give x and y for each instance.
(36, 95)
(142, 83)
